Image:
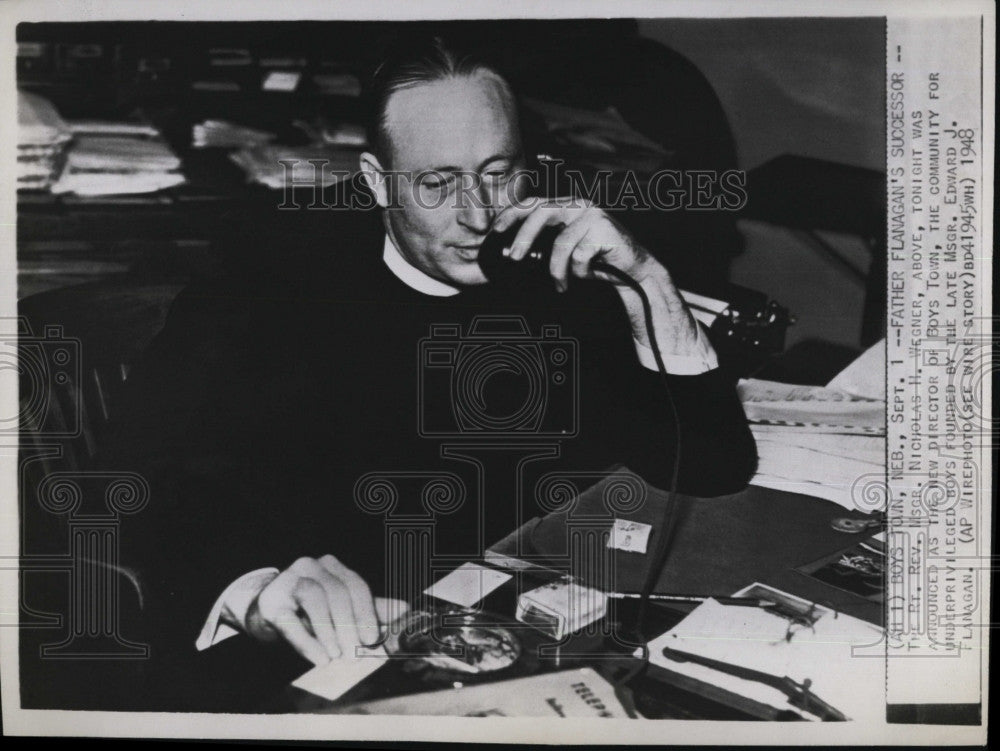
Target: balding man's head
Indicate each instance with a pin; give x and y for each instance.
(446, 156)
(417, 62)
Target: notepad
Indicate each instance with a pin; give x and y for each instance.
(773, 403)
(838, 655)
(467, 585)
(337, 677)
(279, 80)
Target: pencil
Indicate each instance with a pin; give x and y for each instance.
(753, 602)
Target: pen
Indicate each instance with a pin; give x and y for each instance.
(752, 602)
(798, 694)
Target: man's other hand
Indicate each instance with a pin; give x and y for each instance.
(321, 608)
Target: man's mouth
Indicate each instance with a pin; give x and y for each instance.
(467, 252)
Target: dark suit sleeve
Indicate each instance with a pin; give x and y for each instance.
(631, 412)
(191, 423)
(717, 451)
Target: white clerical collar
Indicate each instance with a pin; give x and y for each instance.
(411, 276)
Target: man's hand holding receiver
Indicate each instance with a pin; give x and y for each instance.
(589, 233)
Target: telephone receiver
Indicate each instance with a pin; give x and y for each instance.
(747, 324)
(499, 269)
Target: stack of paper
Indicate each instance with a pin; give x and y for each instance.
(41, 137)
(838, 655)
(118, 159)
(824, 441)
(227, 135)
(345, 134)
(112, 128)
(300, 166)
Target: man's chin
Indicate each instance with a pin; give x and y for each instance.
(467, 275)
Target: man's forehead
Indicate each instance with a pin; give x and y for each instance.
(456, 121)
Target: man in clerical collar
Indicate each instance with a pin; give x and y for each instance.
(447, 167)
(233, 492)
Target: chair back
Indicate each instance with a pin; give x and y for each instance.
(75, 347)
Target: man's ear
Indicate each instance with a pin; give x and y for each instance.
(375, 178)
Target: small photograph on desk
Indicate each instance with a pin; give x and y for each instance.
(859, 570)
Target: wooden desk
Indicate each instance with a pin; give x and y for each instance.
(720, 545)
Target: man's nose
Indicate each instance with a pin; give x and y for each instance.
(477, 210)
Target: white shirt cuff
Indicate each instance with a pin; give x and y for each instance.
(231, 607)
(702, 361)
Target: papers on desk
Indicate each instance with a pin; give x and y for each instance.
(824, 441)
(112, 127)
(121, 153)
(865, 377)
(118, 159)
(825, 465)
(275, 166)
(832, 655)
(467, 585)
(227, 135)
(828, 409)
(337, 677)
(42, 136)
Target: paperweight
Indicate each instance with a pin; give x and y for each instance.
(454, 640)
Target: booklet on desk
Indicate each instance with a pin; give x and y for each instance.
(570, 693)
(835, 656)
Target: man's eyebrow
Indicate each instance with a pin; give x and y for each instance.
(488, 160)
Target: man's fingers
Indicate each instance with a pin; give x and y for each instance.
(567, 245)
(365, 618)
(335, 603)
(311, 598)
(390, 609)
(514, 213)
(584, 252)
(528, 231)
(338, 599)
(290, 627)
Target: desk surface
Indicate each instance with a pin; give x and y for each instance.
(720, 545)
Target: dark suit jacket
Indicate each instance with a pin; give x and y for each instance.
(271, 393)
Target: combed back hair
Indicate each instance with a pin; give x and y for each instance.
(412, 61)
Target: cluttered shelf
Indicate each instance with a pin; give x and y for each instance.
(137, 134)
(164, 175)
